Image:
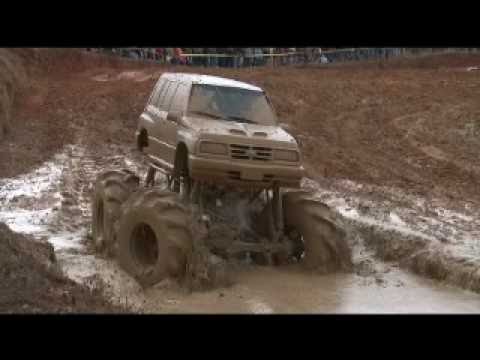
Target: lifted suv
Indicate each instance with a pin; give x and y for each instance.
(208, 132)
(215, 130)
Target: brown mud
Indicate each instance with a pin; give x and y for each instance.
(392, 149)
(12, 77)
(31, 280)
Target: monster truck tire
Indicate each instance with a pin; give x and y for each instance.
(112, 188)
(324, 240)
(154, 237)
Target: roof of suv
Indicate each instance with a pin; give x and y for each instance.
(210, 80)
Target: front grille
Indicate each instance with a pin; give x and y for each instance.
(236, 175)
(247, 152)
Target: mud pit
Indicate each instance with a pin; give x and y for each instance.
(383, 147)
(52, 203)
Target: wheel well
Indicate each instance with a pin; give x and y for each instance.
(142, 139)
(181, 159)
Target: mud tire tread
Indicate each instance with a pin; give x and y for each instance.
(170, 221)
(112, 187)
(325, 241)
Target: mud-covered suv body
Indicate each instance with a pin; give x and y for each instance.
(211, 148)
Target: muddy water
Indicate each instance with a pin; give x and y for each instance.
(52, 203)
(291, 290)
(264, 290)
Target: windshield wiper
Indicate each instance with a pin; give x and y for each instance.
(206, 113)
(241, 119)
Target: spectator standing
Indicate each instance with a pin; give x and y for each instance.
(304, 52)
(221, 60)
(238, 59)
(160, 54)
(292, 59)
(281, 59)
(231, 53)
(151, 53)
(272, 59)
(188, 59)
(168, 55)
(247, 55)
(202, 61)
(196, 61)
(258, 57)
(317, 54)
(178, 57)
(212, 61)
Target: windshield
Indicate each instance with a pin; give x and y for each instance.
(231, 104)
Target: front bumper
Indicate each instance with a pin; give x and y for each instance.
(245, 173)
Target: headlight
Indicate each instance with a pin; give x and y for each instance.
(213, 148)
(286, 155)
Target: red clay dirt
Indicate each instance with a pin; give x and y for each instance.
(32, 282)
(411, 124)
(402, 124)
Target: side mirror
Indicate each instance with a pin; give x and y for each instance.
(174, 116)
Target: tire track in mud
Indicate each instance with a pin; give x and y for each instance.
(256, 289)
(431, 150)
(448, 252)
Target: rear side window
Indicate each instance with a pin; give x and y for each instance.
(179, 102)
(162, 95)
(169, 95)
(157, 94)
(156, 91)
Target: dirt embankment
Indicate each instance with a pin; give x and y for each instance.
(31, 280)
(61, 103)
(12, 76)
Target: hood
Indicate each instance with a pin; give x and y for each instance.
(252, 132)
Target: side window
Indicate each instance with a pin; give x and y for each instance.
(162, 96)
(158, 92)
(154, 94)
(169, 95)
(180, 100)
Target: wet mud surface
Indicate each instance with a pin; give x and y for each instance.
(52, 203)
(393, 150)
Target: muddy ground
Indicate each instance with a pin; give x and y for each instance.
(33, 282)
(391, 147)
(12, 77)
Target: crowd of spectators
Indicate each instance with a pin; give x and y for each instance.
(249, 57)
(221, 57)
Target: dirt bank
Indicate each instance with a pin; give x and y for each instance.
(32, 282)
(60, 102)
(12, 77)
